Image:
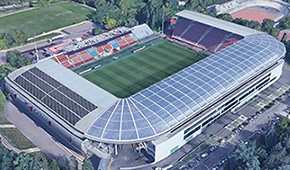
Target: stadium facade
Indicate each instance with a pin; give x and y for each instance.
(163, 117)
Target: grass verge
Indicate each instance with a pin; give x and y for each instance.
(3, 119)
(16, 138)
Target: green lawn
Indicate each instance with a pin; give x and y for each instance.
(138, 71)
(45, 19)
(16, 138)
(3, 120)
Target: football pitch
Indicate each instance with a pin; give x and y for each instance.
(142, 69)
(44, 19)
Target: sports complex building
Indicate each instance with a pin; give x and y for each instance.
(155, 93)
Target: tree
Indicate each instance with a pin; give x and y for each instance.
(8, 39)
(53, 165)
(284, 167)
(87, 164)
(73, 163)
(274, 32)
(97, 31)
(109, 22)
(19, 36)
(226, 17)
(243, 158)
(271, 138)
(276, 156)
(3, 44)
(6, 158)
(40, 162)
(267, 25)
(63, 162)
(23, 161)
(102, 9)
(261, 153)
(286, 23)
(15, 59)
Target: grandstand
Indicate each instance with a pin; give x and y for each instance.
(163, 115)
(203, 36)
(101, 46)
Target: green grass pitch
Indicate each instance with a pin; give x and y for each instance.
(44, 19)
(140, 70)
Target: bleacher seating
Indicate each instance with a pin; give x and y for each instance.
(100, 49)
(196, 31)
(93, 48)
(62, 57)
(181, 25)
(108, 47)
(203, 36)
(78, 61)
(213, 38)
(67, 64)
(229, 41)
(92, 52)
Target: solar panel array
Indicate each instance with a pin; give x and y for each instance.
(167, 103)
(65, 103)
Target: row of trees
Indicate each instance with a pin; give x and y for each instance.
(114, 13)
(16, 38)
(11, 2)
(267, 25)
(271, 151)
(14, 60)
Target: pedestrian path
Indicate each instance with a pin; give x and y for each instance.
(7, 126)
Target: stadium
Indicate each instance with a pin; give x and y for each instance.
(128, 86)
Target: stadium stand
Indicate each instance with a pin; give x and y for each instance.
(203, 36)
(181, 25)
(79, 53)
(92, 52)
(229, 41)
(78, 61)
(62, 57)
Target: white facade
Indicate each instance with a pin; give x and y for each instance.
(165, 145)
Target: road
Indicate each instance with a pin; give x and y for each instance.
(77, 30)
(248, 134)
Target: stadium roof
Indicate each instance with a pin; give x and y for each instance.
(218, 23)
(164, 105)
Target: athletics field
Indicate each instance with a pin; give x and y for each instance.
(142, 69)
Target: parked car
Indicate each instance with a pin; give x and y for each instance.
(204, 155)
(254, 117)
(241, 127)
(212, 148)
(258, 112)
(215, 168)
(191, 164)
(245, 123)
